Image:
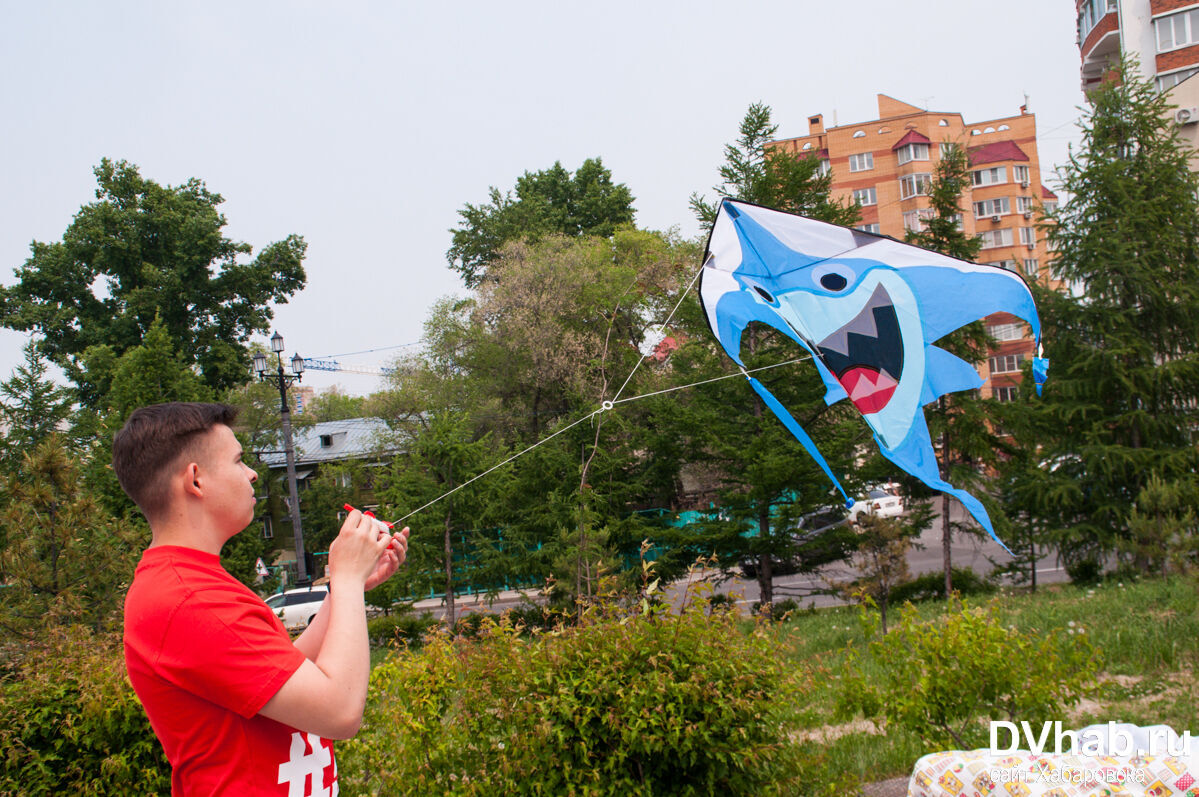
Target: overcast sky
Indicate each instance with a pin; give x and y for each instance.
(365, 126)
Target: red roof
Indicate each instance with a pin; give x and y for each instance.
(999, 151)
(911, 137)
(1047, 194)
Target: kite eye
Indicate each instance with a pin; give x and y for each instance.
(764, 293)
(832, 277)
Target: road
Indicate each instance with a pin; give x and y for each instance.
(981, 556)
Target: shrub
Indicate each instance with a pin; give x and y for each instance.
(405, 627)
(938, 678)
(625, 701)
(73, 725)
(931, 586)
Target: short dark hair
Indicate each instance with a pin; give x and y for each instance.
(152, 439)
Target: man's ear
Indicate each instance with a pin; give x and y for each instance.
(191, 480)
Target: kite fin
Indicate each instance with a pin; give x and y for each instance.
(915, 455)
(946, 373)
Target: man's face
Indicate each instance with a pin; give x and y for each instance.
(228, 482)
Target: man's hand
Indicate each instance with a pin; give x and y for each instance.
(391, 559)
(358, 550)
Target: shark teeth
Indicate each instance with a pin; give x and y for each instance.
(863, 323)
(871, 339)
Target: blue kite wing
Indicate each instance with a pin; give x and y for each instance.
(869, 309)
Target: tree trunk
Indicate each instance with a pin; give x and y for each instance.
(1032, 555)
(946, 539)
(765, 571)
(449, 571)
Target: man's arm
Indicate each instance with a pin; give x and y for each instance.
(327, 694)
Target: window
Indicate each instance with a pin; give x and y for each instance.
(1004, 393)
(1028, 236)
(992, 176)
(913, 152)
(994, 238)
(865, 196)
(823, 168)
(1007, 265)
(1089, 15)
(946, 147)
(992, 207)
(1024, 204)
(868, 228)
(1006, 331)
(1050, 206)
(807, 146)
(1020, 174)
(326, 441)
(859, 134)
(914, 219)
(344, 480)
(1031, 267)
(1167, 82)
(914, 185)
(1177, 30)
(1005, 363)
(268, 528)
(861, 162)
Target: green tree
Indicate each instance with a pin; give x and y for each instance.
(33, 406)
(553, 200)
(753, 171)
(72, 561)
(767, 482)
(333, 405)
(1123, 401)
(960, 423)
(140, 252)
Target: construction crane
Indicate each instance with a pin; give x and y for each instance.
(333, 365)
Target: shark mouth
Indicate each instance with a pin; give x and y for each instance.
(866, 355)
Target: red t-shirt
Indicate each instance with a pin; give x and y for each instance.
(205, 654)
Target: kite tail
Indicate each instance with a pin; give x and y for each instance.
(800, 435)
(915, 455)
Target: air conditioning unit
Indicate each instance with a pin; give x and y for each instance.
(1032, 246)
(995, 217)
(1186, 116)
(1028, 214)
(1024, 183)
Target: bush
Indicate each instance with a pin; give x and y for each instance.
(779, 610)
(931, 586)
(625, 701)
(938, 678)
(73, 724)
(406, 627)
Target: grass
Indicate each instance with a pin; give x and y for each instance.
(1147, 632)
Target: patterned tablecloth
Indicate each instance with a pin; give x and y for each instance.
(979, 773)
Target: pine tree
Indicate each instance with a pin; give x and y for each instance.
(33, 406)
(959, 422)
(1122, 401)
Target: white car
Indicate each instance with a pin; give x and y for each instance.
(877, 502)
(297, 607)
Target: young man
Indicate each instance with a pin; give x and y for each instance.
(239, 707)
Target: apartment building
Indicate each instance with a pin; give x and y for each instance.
(886, 166)
(1162, 34)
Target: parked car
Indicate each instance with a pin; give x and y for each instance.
(813, 541)
(879, 502)
(297, 607)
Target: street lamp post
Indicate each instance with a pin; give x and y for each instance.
(281, 380)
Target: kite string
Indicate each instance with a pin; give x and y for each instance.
(605, 406)
(678, 304)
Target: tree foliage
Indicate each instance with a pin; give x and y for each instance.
(33, 406)
(549, 201)
(755, 172)
(141, 252)
(1122, 402)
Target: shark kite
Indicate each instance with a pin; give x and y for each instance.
(869, 310)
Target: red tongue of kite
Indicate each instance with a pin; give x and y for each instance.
(868, 389)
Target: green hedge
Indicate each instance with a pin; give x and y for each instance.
(625, 701)
(73, 725)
